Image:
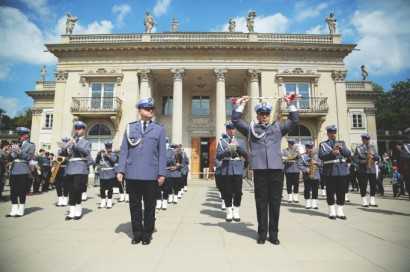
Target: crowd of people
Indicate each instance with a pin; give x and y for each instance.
(151, 173)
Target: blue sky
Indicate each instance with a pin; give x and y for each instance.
(380, 28)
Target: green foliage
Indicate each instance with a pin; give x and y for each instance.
(22, 119)
(393, 107)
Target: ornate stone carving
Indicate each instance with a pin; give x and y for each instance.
(365, 74)
(250, 21)
(232, 25)
(220, 74)
(61, 75)
(149, 22)
(339, 75)
(174, 25)
(145, 74)
(101, 73)
(370, 111)
(253, 75)
(70, 24)
(331, 23)
(36, 111)
(178, 73)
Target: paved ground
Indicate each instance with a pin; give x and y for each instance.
(192, 236)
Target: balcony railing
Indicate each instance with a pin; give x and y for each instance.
(96, 105)
(309, 105)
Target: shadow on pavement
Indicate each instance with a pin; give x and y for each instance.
(213, 213)
(293, 205)
(237, 228)
(32, 210)
(388, 212)
(125, 228)
(212, 205)
(308, 212)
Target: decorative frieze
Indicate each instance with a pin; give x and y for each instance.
(253, 74)
(220, 74)
(339, 75)
(101, 73)
(145, 74)
(61, 76)
(178, 73)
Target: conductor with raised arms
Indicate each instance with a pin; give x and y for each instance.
(264, 139)
(143, 164)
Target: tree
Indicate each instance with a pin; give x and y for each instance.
(23, 119)
(393, 106)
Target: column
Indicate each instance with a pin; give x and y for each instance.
(253, 91)
(220, 101)
(59, 116)
(177, 106)
(371, 124)
(145, 86)
(341, 106)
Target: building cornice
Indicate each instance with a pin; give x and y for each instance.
(41, 94)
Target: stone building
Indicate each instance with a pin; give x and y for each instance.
(192, 77)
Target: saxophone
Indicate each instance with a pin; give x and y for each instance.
(55, 168)
(312, 168)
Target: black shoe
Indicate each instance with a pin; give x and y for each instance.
(274, 241)
(146, 239)
(8, 215)
(342, 217)
(67, 218)
(77, 217)
(260, 241)
(228, 220)
(374, 205)
(332, 217)
(237, 219)
(136, 241)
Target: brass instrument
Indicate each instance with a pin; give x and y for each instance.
(370, 158)
(312, 168)
(292, 154)
(55, 168)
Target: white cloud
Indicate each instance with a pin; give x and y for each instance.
(319, 29)
(276, 23)
(4, 70)
(304, 11)
(38, 6)
(121, 11)
(9, 104)
(95, 27)
(384, 41)
(22, 40)
(161, 7)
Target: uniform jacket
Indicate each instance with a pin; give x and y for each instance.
(80, 149)
(172, 162)
(218, 165)
(290, 166)
(265, 143)
(185, 164)
(360, 158)
(143, 154)
(232, 164)
(106, 163)
(20, 165)
(339, 168)
(304, 163)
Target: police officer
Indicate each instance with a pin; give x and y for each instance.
(45, 166)
(334, 155)
(291, 157)
(365, 156)
(173, 174)
(219, 181)
(61, 183)
(143, 163)
(20, 154)
(4, 159)
(77, 169)
(309, 163)
(106, 159)
(266, 161)
(232, 152)
(184, 169)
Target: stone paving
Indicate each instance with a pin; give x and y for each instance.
(193, 236)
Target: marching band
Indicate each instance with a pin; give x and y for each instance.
(152, 173)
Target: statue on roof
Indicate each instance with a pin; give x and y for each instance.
(43, 73)
(365, 74)
(331, 23)
(232, 25)
(70, 24)
(149, 22)
(174, 25)
(250, 21)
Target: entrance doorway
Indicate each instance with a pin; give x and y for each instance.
(203, 156)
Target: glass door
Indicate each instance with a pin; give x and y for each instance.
(102, 96)
(302, 89)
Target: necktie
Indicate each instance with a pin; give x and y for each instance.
(144, 126)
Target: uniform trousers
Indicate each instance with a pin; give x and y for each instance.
(119, 186)
(173, 185)
(311, 188)
(77, 184)
(292, 182)
(61, 184)
(322, 182)
(45, 176)
(364, 179)
(18, 188)
(162, 192)
(335, 185)
(219, 184)
(185, 180)
(142, 224)
(268, 184)
(232, 189)
(106, 185)
(406, 181)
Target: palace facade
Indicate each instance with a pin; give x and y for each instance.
(192, 77)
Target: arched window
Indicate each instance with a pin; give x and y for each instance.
(99, 130)
(300, 131)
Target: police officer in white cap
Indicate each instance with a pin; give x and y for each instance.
(309, 163)
(334, 155)
(143, 164)
(21, 154)
(291, 157)
(266, 161)
(77, 169)
(366, 157)
(106, 159)
(62, 188)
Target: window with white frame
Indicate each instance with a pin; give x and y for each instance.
(48, 119)
(357, 119)
(200, 106)
(302, 89)
(167, 102)
(102, 95)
